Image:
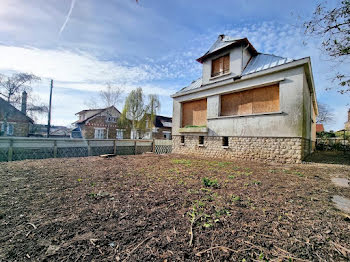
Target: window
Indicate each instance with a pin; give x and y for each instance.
(9, 129)
(111, 119)
(225, 141)
(182, 139)
(120, 134)
(194, 113)
(201, 140)
(254, 101)
(99, 133)
(220, 66)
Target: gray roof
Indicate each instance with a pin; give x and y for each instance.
(263, 62)
(257, 63)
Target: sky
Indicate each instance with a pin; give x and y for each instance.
(84, 44)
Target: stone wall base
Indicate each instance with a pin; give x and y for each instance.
(272, 149)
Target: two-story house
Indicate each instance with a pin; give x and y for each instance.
(347, 124)
(14, 122)
(98, 124)
(247, 105)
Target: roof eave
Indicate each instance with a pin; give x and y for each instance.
(239, 41)
(292, 64)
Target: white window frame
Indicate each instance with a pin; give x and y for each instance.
(97, 134)
(10, 127)
(119, 131)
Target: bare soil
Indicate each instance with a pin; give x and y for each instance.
(144, 208)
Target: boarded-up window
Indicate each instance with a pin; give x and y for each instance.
(258, 100)
(194, 113)
(220, 65)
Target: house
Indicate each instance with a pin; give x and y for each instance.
(40, 130)
(319, 128)
(14, 122)
(247, 105)
(98, 124)
(161, 128)
(347, 124)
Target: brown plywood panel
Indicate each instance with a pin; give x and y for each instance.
(266, 99)
(229, 104)
(194, 113)
(259, 100)
(246, 105)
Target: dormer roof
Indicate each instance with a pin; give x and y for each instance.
(225, 42)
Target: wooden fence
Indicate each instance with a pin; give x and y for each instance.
(20, 148)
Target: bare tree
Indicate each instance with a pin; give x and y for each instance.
(333, 27)
(11, 87)
(110, 96)
(325, 114)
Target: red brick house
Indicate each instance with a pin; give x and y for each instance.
(14, 122)
(98, 124)
(319, 128)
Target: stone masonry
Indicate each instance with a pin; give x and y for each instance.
(268, 149)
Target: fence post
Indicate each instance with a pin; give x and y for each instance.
(135, 147)
(54, 148)
(10, 152)
(153, 145)
(89, 148)
(115, 146)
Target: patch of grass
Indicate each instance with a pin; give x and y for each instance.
(299, 174)
(80, 179)
(231, 177)
(273, 171)
(235, 198)
(182, 162)
(210, 182)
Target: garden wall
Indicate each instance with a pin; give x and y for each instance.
(20, 148)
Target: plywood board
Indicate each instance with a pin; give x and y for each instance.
(266, 99)
(194, 113)
(254, 101)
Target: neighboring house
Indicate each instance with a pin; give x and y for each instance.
(40, 130)
(247, 105)
(18, 123)
(161, 128)
(98, 124)
(347, 124)
(319, 128)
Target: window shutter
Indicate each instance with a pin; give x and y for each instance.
(226, 64)
(215, 67)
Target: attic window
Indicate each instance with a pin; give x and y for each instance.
(220, 66)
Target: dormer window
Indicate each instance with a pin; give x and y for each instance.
(220, 66)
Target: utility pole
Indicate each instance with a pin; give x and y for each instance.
(49, 116)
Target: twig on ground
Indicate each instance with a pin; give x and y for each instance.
(137, 246)
(225, 249)
(34, 226)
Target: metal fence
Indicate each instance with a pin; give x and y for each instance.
(333, 144)
(20, 148)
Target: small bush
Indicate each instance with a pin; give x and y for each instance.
(210, 182)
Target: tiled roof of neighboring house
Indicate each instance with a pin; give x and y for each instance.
(319, 128)
(98, 111)
(257, 63)
(163, 121)
(13, 112)
(263, 62)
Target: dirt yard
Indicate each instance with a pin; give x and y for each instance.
(170, 208)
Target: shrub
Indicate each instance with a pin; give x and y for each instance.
(210, 182)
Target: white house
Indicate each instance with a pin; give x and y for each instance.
(247, 105)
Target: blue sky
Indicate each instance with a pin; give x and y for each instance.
(152, 45)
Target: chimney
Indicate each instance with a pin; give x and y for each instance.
(24, 103)
(221, 37)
